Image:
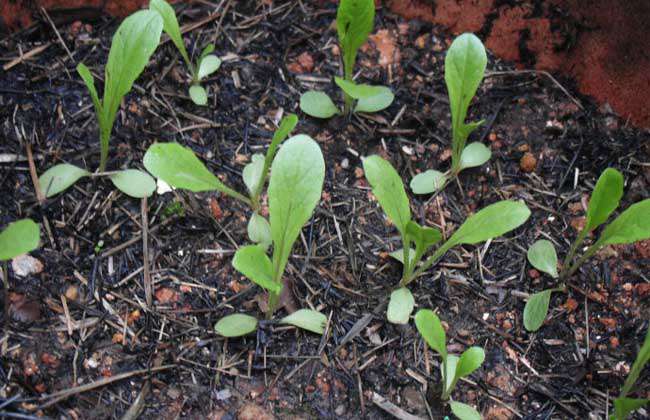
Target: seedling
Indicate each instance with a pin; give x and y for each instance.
(134, 42)
(453, 367)
(623, 405)
(464, 69)
(179, 167)
(295, 188)
(492, 221)
(206, 64)
(354, 22)
(630, 226)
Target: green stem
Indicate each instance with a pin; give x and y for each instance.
(274, 298)
(572, 252)
(234, 194)
(103, 152)
(445, 394)
(429, 262)
(588, 254)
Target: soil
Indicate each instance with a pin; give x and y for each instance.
(80, 341)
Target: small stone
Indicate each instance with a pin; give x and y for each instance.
(528, 163)
(345, 163)
(72, 293)
(26, 265)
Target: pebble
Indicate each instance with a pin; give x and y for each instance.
(528, 163)
(26, 265)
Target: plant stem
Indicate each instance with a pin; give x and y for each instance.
(588, 254)
(572, 252)
(274, 298)
(103, 153)
(234, 194)
(429, 262)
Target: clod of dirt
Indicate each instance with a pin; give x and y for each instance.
(26, 265)
(528, 163)
(252, 411)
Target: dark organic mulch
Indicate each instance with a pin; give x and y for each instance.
(87, 345)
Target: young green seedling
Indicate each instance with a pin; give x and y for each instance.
(490, 222)
(623, 405)
(206, 64)
(464, 69)
(453, 367)
(295, 187)
(354, 22)
(179, 167)
(133, 44)
(630, 226)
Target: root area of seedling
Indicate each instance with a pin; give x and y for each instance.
(80, 340)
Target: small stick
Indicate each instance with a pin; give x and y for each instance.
(34, 174)
(58, 35)
(22, 57)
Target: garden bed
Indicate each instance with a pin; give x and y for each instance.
(83, 319)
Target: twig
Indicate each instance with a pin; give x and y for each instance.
(22, 57)
(392, 409)
(34, 174)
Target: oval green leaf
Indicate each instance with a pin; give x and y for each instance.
(252, 173)
(632, 225)
(424, 237)
(430, 328)
(60, 177)
(20, 237)
(464, 411)
(235, 325)
(179, 167)
(450, 376)
(354, 90)
(400, 306)
(253, 262)
(470, 360)
(307, 320)
(387, 186)
(623, 406)
(259, 230)
(604, 199)
(375, 103)
(398, 254)
(543, 257)
(198, 95)
(134, 183)
(474, 154)
(428, 182)
(208, 65)
(317, 104)
(354, 22)
(536, 309)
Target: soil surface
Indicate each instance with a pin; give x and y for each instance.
(80, 341)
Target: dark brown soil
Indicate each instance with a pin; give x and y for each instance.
(84, 319)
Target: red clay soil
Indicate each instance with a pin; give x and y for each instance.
(601, 43)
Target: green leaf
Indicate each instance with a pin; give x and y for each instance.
(253, 262)
(134, 183)
(632, 225)
(430, 328)
(88, 79)
(252, 173)
(354, 22)
(287, 125)
(470, 360)
(375, 103)
(490, 222)
(207, 50)
(235, 325)
(387, 186)
(464, 411)
(536, 309)
(20, 237)
(424, 237)
(179, 167)
(208, 65)
(637, 367)
(542, 256)
(623, 406)
(475, 154)
(59, 177)
(399, 255)
(604, 199)
(450, 367)
(428, 182)
(356, 91)
(400, 306)
(170, 26)
(465, 65)
(295, 188)
(307, 320)
(259, 230)
(198, 95)
(317, 104)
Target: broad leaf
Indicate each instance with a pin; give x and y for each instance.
(59, 177)
(170, 26)
(536, 309)
(623, 406)
(470, 360)
(134, 183)
(464, 411)
(474, 154)
(424, 237)
(641, 360)
(604, 199)
(253, 262)
(20, 237)
(253, 172)
(490, 222)
(632, 225)
(377, 102)
(399, 255)
(400, 306)
(317, 104)
(430, 328)
(198, 95)
(235, 325)
(295, 188)
(88, 79)
(259, 230)
(387, 186)
(307, 320)
(543, 257)
(428, 182)
(356, 91)
(179, 167)
(354, 22)
(208, 65)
